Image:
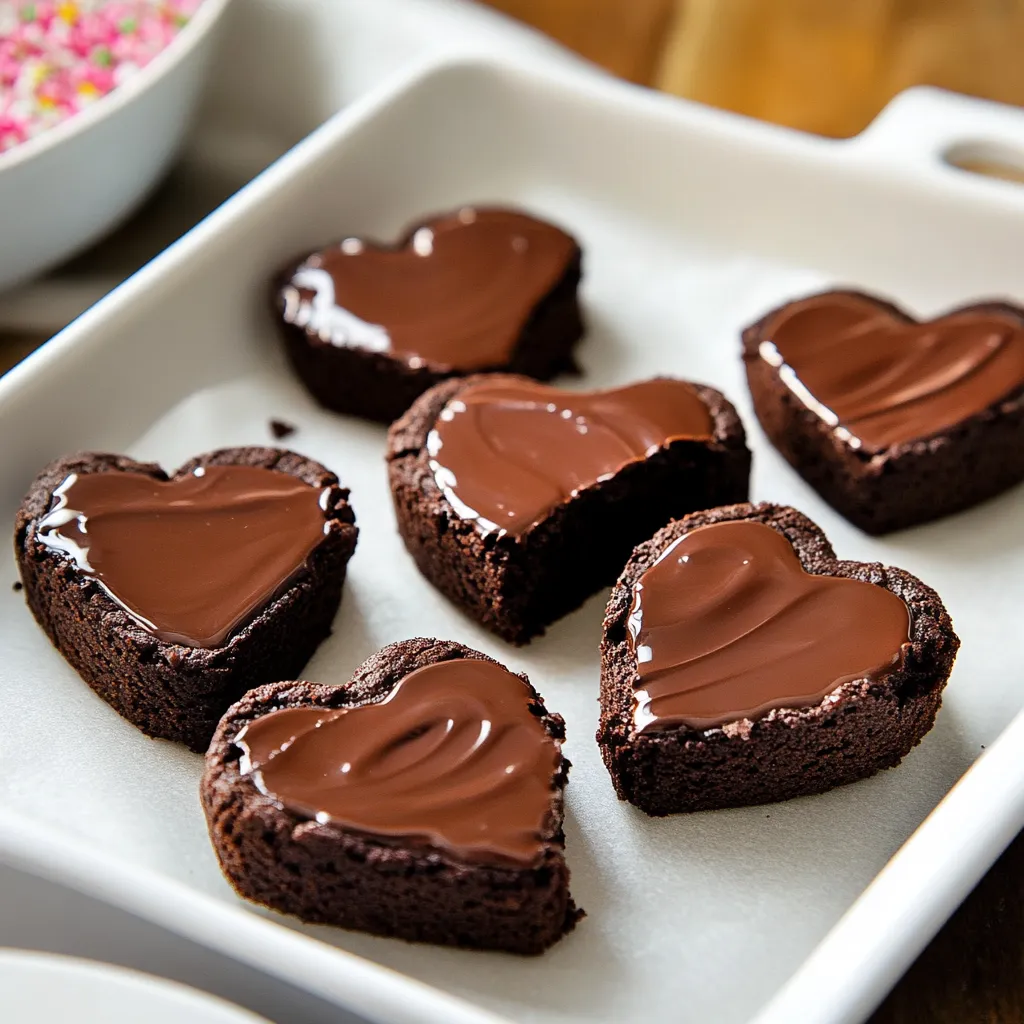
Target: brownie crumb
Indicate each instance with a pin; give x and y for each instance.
(281, 430)
(17, 585)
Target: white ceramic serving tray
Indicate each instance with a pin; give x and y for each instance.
(693, 223)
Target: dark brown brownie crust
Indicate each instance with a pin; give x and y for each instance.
(517, 586)
(167, 690)
(329, 875)
(860, 728)
(380, 386)
(905, 484)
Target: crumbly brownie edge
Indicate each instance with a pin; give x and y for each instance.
(858, 729)
(380, 387)
(905, 484)
(168, 690)
(496, 580)
(325, 874)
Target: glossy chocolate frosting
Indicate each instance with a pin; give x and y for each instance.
(882, 380)
(456, 295)
(194, 558)
(505, 452)
(452, 758)
(727, 625)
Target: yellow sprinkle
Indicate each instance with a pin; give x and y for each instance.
(67, 11)
(88, 89)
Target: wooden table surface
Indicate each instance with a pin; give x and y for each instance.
(813, 64)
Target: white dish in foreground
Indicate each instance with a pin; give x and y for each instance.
(40, 988)
(692, 223)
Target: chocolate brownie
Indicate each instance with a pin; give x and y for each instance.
(742, 663)
(360, 805)
(172, 596)
(369, 328)
(518, 501)
(893, 421)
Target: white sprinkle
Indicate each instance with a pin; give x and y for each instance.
(423, 242)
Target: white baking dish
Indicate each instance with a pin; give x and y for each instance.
(693, 222)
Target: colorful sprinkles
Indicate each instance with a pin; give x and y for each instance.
(56, 58)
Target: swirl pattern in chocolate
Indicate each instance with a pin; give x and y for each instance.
(456, 294)
(507, 451)
(191, 559)
(882, 379)
(452, 757)
(728, 625)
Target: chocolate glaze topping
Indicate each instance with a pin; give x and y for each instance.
(194, 558)
(506, 452)
(727, 625)
(881, 380)
(452, 757)
(456, 294)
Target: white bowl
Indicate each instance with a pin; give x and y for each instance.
(41, 988)
(64, 188)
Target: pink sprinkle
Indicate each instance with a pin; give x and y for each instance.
(59, 56)
(12, 131)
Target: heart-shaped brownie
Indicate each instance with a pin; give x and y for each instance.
(892, 420)
(172, 596)
(519, 500)
(370, 327)
(743, 663)
(421, 800)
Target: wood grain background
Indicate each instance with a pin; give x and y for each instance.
(826, 66)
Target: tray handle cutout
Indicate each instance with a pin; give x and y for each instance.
(933, 130)
(991, 160)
